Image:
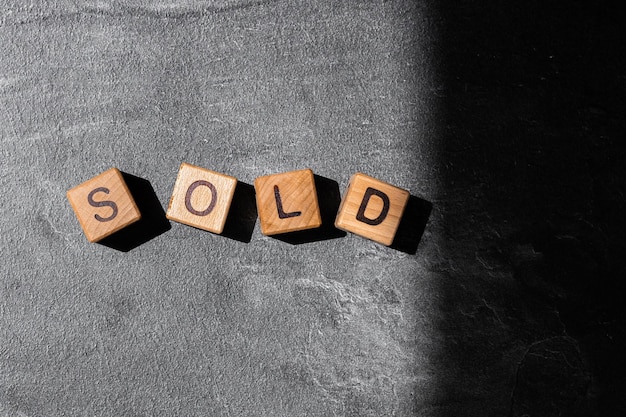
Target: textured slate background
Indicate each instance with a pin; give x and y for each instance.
(506, 116)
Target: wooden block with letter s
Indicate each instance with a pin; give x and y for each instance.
(371, 208)
(103, 205)
(201, 198)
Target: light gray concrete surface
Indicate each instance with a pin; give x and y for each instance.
(191, 323)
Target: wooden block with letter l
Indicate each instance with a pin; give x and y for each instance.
(287, 202)
(103, 205)
(201, 198)
(371, 208)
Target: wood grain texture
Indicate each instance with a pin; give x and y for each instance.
(201, 198)
(371, 214)
(103, 205)
(287, 202)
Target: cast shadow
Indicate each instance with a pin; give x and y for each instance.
(329, 198)
(152, 223)
(412, 225)
(242, 215)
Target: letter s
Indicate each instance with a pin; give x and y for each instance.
(105, 203)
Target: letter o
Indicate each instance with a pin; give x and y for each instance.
(190, 191)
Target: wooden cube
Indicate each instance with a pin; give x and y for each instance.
(103, 205)
(201, 198)
(371, 208)
(287, 202)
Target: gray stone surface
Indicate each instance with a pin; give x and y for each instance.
(191, 323)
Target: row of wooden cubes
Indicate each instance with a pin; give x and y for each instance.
(286, 202)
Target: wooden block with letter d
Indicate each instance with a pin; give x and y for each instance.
(371, 208)
(103, 205)
(201, 198)
(287, 202)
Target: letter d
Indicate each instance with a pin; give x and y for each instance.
(360, 215)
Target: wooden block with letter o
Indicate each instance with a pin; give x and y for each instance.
(287, 202)
(201, 198)
(103, 205)
(372, 208)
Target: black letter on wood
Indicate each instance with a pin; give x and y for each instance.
(105, 203)
(369, 192)
(190, 191)
(279, 206)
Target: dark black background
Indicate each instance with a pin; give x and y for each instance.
(534, 149)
